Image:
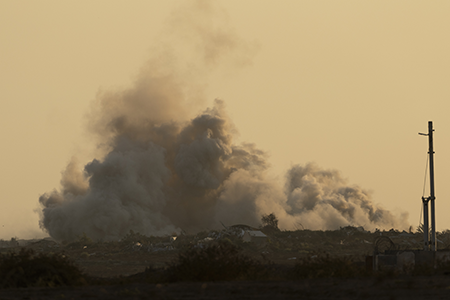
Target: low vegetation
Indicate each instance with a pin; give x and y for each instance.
(28, 269)
(325, 266)
(218, 262)
(220, 255)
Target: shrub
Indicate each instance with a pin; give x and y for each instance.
(221, 261)
(26, 269)
(324, 265)
(80, 242)
(133, 237)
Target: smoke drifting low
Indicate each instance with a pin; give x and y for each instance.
(192, 177)
(163, 170)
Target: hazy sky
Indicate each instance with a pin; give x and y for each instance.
(345, 84)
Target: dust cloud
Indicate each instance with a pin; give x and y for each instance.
(164, 167)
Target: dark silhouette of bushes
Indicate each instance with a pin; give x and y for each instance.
(217, 262)
(27, 269)
(270, 222)
(324, 265)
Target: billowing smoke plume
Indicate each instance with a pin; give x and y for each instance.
(323, 199)
(162, 170)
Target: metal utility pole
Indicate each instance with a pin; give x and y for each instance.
(432, 197)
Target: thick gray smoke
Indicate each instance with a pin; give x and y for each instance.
(323, 199)
(163, 170)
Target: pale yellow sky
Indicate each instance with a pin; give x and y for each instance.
(346, 84)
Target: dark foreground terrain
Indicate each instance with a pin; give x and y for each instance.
(302, 264)
(436, 287)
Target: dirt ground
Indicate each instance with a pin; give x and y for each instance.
(436, 287)
(107, 261)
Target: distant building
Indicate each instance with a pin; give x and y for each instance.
(254, 236)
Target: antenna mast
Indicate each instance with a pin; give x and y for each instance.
(432, 197)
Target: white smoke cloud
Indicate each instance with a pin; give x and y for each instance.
(164, 170)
